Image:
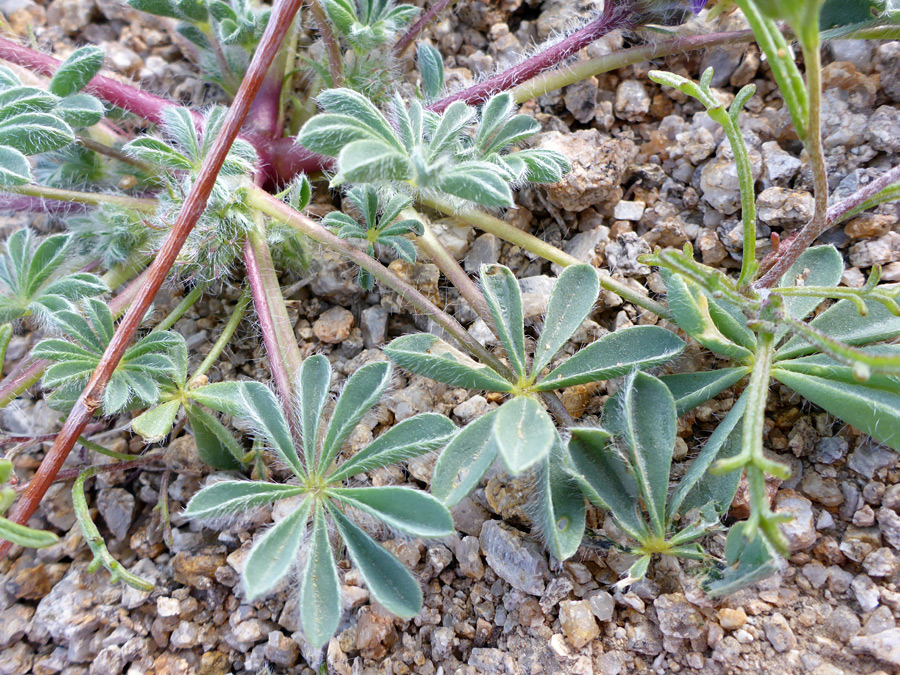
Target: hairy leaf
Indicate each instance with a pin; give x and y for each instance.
(320, 590)
(465, 460)
(275, 553)
(215, 444)
(560, 510)
(430, 356)
(524, 433)
(411, 511)
(692, 389)
(315, 381)
(504, 299)
(228, 497)
(76, 71)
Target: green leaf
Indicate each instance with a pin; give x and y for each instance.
(698, 486)
(14, 167)
(24, 99)
(342, 15)
(615, 354)
(410, 438)
(691, 308)
(822, 365)
(873, 411)
(228, 497)
(156, 423)
(560, 510)
(749, 562)
(328, 133)
(223, 397)
(275, 553)
(81, 110)
(838, 13)
(431, 68)
(453, 121)
(816, 266)
(406, 509)
(315, 382)
(34, 133)
(692, 389)
(157, 152)
(494, 113)
(361, 392)
(504, 299)
(157, 7)
(604, 478)
(389, 582)
(26, 537)
(260, 406)
(369, 161)
(215, 444)
(515, 130)
(76, 71)
(476, 182)
(524, 433)
(542, 166)
(572, 299)
(842, 322)
(320, 590)
(354, 104)
(430, 356)
(465, 460)
(650, 440)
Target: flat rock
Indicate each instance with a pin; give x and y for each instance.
(514, 557)
(884, 645)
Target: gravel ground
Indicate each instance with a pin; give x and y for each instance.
(650, 169)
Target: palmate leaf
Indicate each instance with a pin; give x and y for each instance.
(357, 106)
(389, 582)
(524, 433)
(76, 71)
(572, 299)
(14, 167)
(431, 68)
(367, 161)
(476, 182)
(465, 460)
(81, 110)
(504, 299)
(614, 355)
(228, 497)
(275, 553)
(320, 589)
(430, 356)
(411, 511)
(34, 133)
(560, 510)
(215, 444)
(692, 389)
(315, 381)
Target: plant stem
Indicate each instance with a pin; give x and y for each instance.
(92, 198)
(233, 322)
(113, 153)
(282, 212)
(193, 207)
(562, 77)
(612, 17)
(128, 98)
(547, 251)
(441, 257)
(69, 474)
(844, 208)
(335, 59)
(277, 330)
(186, 303)
(754, 425)
(410, 36)
(100, 450)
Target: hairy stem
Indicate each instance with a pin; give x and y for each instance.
(91, 198)
(612, 17)
(563, 77)
(190, 212)
(227, 333)
(547, 251)
(335, 59)
(293, 219)
(410, 36)
(113, 153)
(186, 303)
(844, 208)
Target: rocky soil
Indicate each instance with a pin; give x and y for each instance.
(650, 169)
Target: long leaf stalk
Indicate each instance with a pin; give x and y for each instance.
(283, 213)
(181, 308)
(529, 242)
(191, 210)
(224, 338)
(323, 25)
(859, 199)
(612, 17)
(77, 197)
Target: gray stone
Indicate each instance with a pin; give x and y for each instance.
(889, 524)
(843, 623)
(185, 635)
(108, 662)
(800, 531)
(622, 254)
(829, 450)
(785, 208)
(626, 210)
(581, 99)
(472, 408)
(442, 642)
(778, 632)
(17, 659)
(491, 661)
(883, 131)
(632, 101)
(887, 63)
(719, 181)
(884, 646)
(485, 250)
(281, 650)
(469, 516)
(558, 588)
(866, 592)
(602, 605)
(876, 251)
(117, 508)
(880, 620)
(880, 563)
(373, 325)
(677, 617)
(514, 557)
(869, 457)
(839, 580)
(816, 573)
(468, 553)
(857, 52)
(13, 623)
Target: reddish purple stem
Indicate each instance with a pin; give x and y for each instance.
(614, 16)
(404, 42)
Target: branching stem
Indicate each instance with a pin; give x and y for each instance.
(227, 333)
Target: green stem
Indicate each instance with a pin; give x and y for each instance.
(100, 450)
(6, 333)
(547, 251)
(233, 322)
(283, 213)
(186, 303)
(813, 59)
(92, 198)
(102, 556)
